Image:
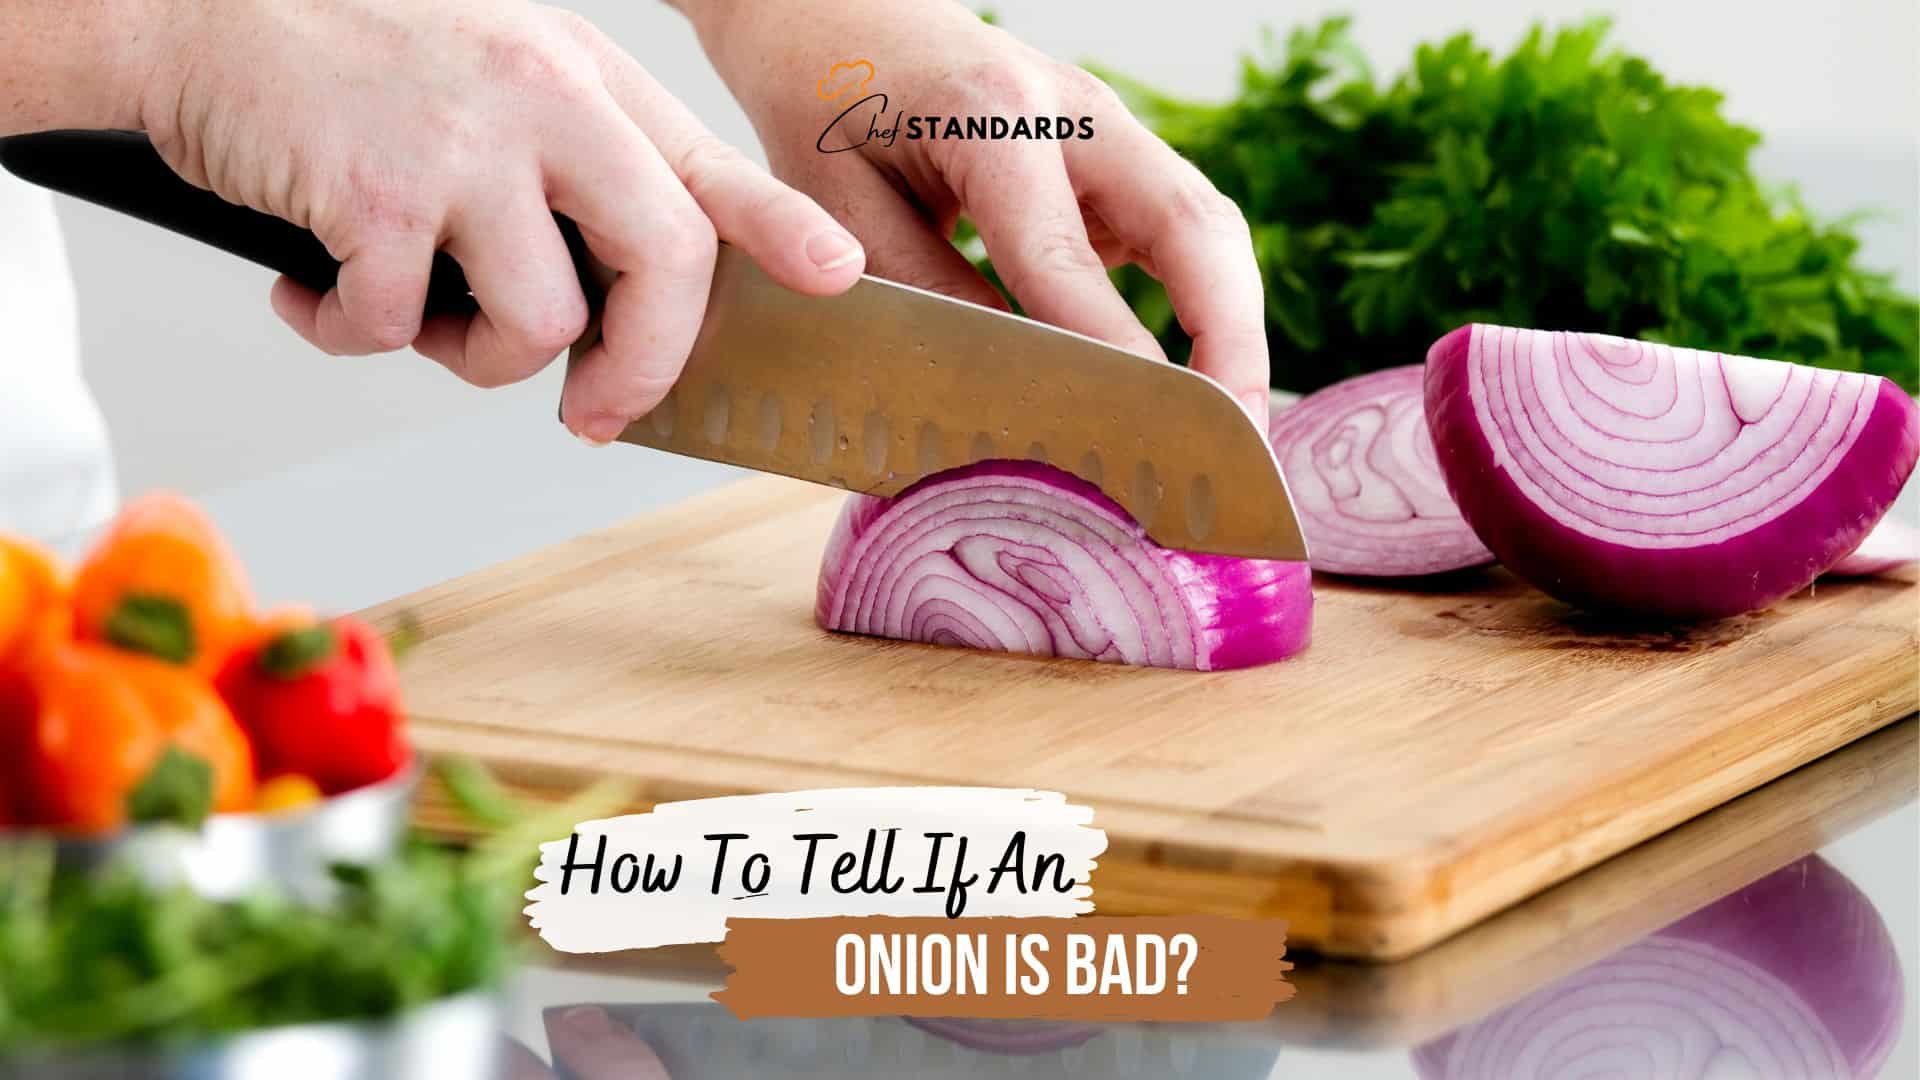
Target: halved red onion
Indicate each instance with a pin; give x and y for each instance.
(1888, 547)
(1794, 975)
(1630, 476)
(1022, 557)
(1360, 467)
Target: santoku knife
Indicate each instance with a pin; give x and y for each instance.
(868, 391)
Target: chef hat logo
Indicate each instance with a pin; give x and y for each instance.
(843, 78)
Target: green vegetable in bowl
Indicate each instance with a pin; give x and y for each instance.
(1566, 184)
(103, 958)
(87, 960)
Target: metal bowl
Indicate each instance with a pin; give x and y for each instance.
(230, 855)
(456, 1038)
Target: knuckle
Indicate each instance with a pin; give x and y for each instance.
(1083, 85)
(527, 63)
(571, 23)
(685, 244)
(983, 87)
(1198, 204)
(1060, 250)
(702, 163)
(380, 201)
(389, 336)
(553, 327)
(644, 386)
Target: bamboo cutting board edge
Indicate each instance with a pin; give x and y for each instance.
(1374, 909)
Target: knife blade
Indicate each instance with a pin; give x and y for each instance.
(869, 391)
(875, 388)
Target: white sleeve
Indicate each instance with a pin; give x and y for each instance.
(56, 467)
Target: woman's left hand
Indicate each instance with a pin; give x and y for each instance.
(1054, 213)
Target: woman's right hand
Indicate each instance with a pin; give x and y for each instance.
(395, 128)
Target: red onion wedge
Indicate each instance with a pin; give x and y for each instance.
(1793, 976)
(1887, 548)
(1021, 557)
(1360, 467)
(1628, 476)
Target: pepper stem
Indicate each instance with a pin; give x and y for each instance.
(152, 624)
(178, 789)
(292, 653)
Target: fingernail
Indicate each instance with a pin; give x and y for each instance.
(587, 1020)
(833, 249)
(600, 430)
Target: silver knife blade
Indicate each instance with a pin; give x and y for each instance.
(884, 384)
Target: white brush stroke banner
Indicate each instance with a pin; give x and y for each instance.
(762, 869)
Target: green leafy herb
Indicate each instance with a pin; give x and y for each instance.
(1566, 185)
(106, 958)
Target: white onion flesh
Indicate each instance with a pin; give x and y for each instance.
(1360, 467)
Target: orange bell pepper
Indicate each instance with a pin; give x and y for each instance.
(163, 581)
(33, 594)
(198, 722)
(104, 720)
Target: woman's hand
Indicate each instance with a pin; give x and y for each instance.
(393, 128)
(1054, 213)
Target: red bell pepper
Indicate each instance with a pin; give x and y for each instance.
(320, 700)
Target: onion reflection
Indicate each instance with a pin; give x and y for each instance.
(1793, 976)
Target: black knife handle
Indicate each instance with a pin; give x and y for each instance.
(121, 170)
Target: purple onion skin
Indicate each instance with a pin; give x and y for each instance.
(1237, 612)
(1808, 931)
(1890, 546)
(1744, 573)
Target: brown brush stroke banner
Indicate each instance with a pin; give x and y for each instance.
(1100, 968)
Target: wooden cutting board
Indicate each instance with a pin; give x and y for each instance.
(1435, 756)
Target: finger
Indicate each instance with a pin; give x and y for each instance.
(639, 220)
(522, 277)
(796, 242)
(1113, 250)
(793, 239)
(1024, 204)
(593, 1047)
(1196, 242)
(902, 244)
(296, 305)
(375, 303)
